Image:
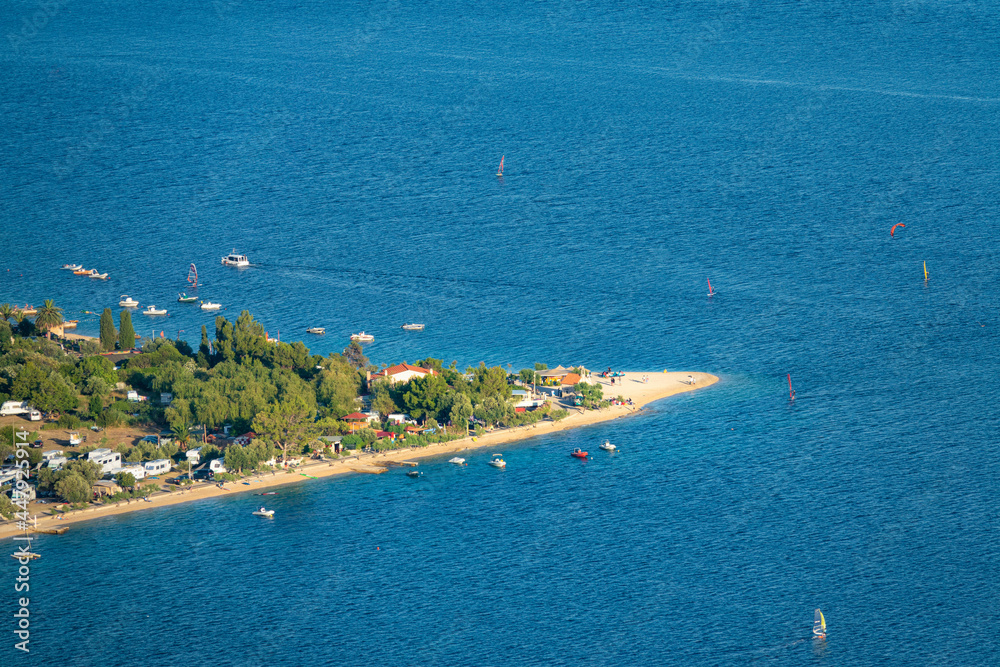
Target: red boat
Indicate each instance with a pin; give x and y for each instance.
(578, 454)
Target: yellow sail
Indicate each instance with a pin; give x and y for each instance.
(819, 624)
(925, 270)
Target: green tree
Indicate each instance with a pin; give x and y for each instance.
(108, 333)
(96, 405)
(74, 488)
(6, 311)
(355, 356)
(490, 382)
(182, 434)
(527, 376)
(382, 401)
(286, 424)
(461, 411)
(49, 316)
(126, 334)
(590, 393)
(126, 480)
(90, 471)
(204, 349)
(422, 395)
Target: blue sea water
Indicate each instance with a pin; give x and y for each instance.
(350, 149)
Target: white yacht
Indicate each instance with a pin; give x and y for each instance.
(316, 330)
(208, 305)
(497, 461)
(458, 460)
(413, 327)
(607, 446)
(128, 302)
(232, 259)
(363, 337)
(152, 310)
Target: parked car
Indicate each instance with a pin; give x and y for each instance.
(203, 474)
(177, 480)
(37, 444)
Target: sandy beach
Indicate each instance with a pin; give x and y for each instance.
(631, 386)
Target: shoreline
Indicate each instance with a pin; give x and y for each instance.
(660, 386)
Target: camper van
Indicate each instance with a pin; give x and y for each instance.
(15, 408)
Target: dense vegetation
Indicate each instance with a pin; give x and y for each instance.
(285, 395)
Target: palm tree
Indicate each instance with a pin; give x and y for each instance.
(6, 311)
(49, 316)
(181, 434)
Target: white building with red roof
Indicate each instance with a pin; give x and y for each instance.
(400, 373)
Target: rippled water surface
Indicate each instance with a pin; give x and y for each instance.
(350, 150)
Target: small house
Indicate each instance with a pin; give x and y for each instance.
(105, 487)
(400, 374)
(356, 421)
(332, 441)
(157, 467)
(245, 438)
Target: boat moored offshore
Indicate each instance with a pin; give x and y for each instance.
(233, 259)
(128, 302)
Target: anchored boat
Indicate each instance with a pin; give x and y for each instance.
(316, 330)
(208, 305)
(413, 327)
(363, 337)
(232, 259)
(184, 298)
(264, 512)
(128, 302)
(497, 461)
(152, 310)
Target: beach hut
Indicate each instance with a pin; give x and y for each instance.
(105, 487)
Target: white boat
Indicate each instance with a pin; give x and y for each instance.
(458, 460)
(363, 337)
(264, 512)
(99, 276)
(152, 310)
(607, 446)
(75, 439)
(208, 305)
(413, 327)
(232, 259)
(316, 330)
(27, 555)
(128, 302)
(72, 267)
(497, 461)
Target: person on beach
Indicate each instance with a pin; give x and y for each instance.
(690, 379)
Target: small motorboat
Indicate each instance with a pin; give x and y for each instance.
(70, 324)
(414, 473)
(83, 272)
(607, 446)
(29, 555)
(413, 327)
(497, 461)
(72, 267)
(75, 439)
(184, 298)
(208, 305)
(264, 512)
(458, 460)
(232, 259)
(267, 493)
(153, 310)
(316, 330)
(363, 337)
(99, 276)
(578, 453)
(128, 302)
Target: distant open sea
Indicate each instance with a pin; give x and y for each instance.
(350, 150)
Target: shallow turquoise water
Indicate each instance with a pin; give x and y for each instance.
(350, 151)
